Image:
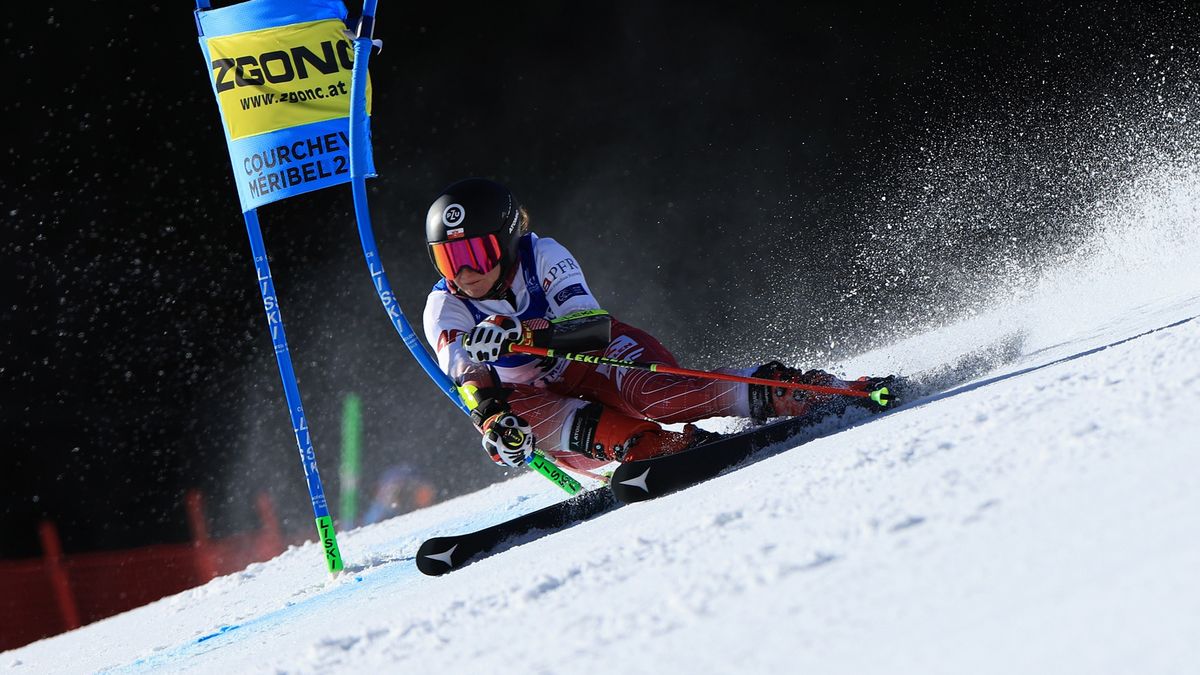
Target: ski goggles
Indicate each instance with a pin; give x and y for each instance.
(478, 253)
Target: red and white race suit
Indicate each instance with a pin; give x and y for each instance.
(550, 284)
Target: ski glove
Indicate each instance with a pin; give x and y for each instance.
(489, 339)
(508, 439)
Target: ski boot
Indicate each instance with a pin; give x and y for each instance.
(767, 402)
(657, 443)
(605, 434)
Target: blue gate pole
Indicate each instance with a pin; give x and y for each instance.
(291, 393)
(360, 147)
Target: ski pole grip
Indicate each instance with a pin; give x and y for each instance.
(543, 465)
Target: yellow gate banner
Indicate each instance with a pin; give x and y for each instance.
(280, 70)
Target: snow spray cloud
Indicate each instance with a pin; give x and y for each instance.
(1029, 199)
(1143, 252)
(1139, 262)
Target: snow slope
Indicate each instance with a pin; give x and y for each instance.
(1043, 518)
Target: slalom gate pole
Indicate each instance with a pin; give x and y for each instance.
(291, 393)
(360, 170)
(881, 396)
(360, 153)
(231, 38)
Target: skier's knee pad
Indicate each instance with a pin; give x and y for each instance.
(604, 433)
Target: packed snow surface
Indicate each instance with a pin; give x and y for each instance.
(1043, 517)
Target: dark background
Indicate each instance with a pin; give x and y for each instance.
(745, 180)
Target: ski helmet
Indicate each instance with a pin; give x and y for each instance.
(475, 223)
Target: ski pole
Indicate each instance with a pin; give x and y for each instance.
(881, 396)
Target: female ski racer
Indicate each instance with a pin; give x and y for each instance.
(503, 285)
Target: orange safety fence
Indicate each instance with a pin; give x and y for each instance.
(41, 597)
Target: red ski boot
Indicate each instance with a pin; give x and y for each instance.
(662, 442)
(604, 433)
(767, 402)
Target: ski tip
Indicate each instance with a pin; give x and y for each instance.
(882, 396)
(434, 558)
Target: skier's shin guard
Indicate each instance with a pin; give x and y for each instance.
(603, 433)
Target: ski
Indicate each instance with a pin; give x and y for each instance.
(650, 478)
(439, 555)
(638, 481)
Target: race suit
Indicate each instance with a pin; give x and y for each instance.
(549, 284)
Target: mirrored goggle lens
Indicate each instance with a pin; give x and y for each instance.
(479, 253)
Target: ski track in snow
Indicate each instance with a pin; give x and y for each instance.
(1040, 518)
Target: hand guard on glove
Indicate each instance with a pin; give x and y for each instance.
(507, 437)
(490, 338)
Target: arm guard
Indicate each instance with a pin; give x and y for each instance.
(585, 331)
